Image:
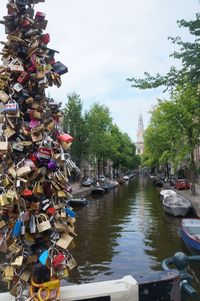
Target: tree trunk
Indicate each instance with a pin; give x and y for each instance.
(193, 174)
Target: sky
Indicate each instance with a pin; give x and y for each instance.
(104, 42)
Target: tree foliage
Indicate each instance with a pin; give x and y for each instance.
(174, 131)
(188, 54)
(96, 138)
(74, 123)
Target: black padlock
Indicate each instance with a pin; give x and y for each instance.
(22, 2)
(41, 273)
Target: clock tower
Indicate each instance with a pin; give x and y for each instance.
(140, 134)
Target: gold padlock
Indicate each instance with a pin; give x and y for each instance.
(3, 198)
(15, 247)
(18, 261)
(8, 273)
(64, 241)
(25, 276)
(62, 274)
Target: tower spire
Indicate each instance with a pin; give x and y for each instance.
(140, 135)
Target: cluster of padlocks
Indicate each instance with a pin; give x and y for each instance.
(36, 224)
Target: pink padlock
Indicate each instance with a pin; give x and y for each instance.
(33, 123)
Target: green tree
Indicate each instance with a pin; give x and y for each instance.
(175, 129)
(123, 154)
(74, 124)
(188, 54)
(99, 124)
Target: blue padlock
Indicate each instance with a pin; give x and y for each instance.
(43, 257)
(70, 212)
(17, 228)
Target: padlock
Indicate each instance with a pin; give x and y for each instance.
(11, 107)
(8, 273)
(43, 223)
(64, 241)
(17, 147)
(59, 68)
(44, 153)
(17, 228)
(71, 263)
(45, 38)
(32, 224)
(17, 87)
(23, 78)
(39, 16)
(58, 259)
(3, 241)
(23, 228)
(25, 276)
(18, 261)
(10, 195)
(2, 224)
(43, 257)
(9, 132)
(63, 213)
(15, 247)
(70, 212)
(4, 97)
(16, 67)
(27, 193)
(62, 274)
(3, 198)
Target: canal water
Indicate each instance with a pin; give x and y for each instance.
(125, 232)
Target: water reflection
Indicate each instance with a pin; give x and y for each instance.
(124, 232)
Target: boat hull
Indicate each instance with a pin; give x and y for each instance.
(190, 233)
(98, 190)
(176, 211)
(77, 202)
(176, 205)
(152, 286)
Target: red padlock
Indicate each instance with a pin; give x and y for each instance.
(44, 153)
(58, 259)
(23, 78)
(65, 137)
(27, 192)
(51, 210)
(45, 38)
(39, 16)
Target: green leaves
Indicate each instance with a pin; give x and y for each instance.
(188, 54)
(96, 138)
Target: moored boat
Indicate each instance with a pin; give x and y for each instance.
(190, 233)
(148, 287)
(176, 205)
(166, 192)
(98, 190)
(77, 202)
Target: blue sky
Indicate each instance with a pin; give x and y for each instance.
(105, 41)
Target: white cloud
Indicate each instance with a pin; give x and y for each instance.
(105, 41)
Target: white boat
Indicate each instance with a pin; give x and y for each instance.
(166, 192)
(126, 289)
(176, 205)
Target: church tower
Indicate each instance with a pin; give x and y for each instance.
(140, 133)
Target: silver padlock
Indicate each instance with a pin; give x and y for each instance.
(23, 228)
(32, 224)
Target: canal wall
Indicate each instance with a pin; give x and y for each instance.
(79, 191)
